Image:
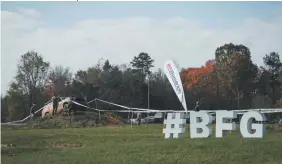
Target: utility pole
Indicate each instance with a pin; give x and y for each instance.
(148, 93)
(148, 98)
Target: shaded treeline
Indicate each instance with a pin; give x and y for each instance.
(230, 81)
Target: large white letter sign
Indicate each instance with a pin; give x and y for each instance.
(196, 125)
(222, 125)
(175, 125)
(246, 126)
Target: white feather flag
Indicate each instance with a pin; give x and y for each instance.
(173, 76)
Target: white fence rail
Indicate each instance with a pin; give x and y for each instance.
(141, 110)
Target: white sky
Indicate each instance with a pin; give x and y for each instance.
(187, 41)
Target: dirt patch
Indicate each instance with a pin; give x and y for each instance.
(112, 126)
(67, 145)
(277, 128)
(15, 151)
(83, 119)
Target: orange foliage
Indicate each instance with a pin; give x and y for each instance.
(191, 76)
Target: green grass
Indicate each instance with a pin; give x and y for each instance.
(137, 145)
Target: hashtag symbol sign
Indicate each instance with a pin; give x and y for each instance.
(174, 125)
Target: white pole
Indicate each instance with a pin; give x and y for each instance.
(99, 111)
(99, 117)
(230, 120)
(131, 117)
(128, 116)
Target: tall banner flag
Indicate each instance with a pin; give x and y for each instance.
(173, 76)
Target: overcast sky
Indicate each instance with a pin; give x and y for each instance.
(77, 34)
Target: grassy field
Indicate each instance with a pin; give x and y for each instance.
(137, 145)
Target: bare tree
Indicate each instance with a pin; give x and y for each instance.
(31, 74)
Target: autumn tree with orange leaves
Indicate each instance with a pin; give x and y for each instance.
(193, 76)
(199, 83)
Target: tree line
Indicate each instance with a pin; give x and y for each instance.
(230, 81)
